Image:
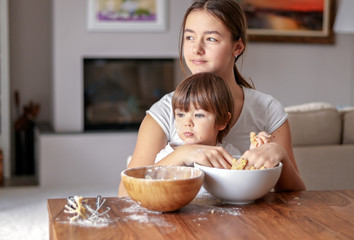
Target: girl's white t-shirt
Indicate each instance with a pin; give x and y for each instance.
(260, 112)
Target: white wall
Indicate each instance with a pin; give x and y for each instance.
(73, 42)
(293, 73)
(300, 73)
(30, 54)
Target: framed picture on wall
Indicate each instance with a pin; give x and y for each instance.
(300, 21)
(127, 15)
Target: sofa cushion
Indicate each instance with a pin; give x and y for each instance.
(328, 167)
(314, 124)
(348, 126)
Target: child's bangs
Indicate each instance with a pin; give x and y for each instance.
(194, 97)
(200, 99)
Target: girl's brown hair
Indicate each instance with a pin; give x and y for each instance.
(233, 17)
(209, 92)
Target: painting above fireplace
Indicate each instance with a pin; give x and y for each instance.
(117, 92)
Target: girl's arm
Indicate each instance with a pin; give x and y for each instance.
(279, 150)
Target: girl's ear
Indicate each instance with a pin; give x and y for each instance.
(223, 126)
(238, 48)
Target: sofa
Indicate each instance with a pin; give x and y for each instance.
(323, 144)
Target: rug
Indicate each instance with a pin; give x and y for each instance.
(23, 210)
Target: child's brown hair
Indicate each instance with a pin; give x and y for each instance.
(209, 92)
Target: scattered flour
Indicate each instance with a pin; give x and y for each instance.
(228, 211)
(103, 222)
(202, 205)
(143, 215)
(297, 200)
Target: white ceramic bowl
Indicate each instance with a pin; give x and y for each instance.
(239, 186)
(163, 188)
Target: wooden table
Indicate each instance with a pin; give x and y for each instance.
(292, 215)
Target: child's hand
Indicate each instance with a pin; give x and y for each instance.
(260, 139)
(210, 156)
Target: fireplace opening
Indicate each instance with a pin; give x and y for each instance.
(117, 92)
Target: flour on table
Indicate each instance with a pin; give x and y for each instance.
(143, 215)
(104, 222)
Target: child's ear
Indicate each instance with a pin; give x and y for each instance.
(223, 126)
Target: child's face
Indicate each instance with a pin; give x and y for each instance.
(196, 126)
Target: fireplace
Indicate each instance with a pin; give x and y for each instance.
(117, 92)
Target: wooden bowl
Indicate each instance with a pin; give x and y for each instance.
(163, 188)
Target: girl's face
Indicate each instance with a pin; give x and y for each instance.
(196, 126)
(207, 45)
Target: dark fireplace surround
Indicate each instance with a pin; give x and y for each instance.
(117, 92)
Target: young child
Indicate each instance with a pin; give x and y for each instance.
(202, 106)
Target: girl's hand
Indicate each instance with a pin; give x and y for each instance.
(259, 139)
(268, 155)
(211, 156)
(278, 150)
